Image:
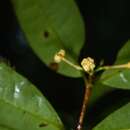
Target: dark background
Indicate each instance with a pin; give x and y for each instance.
(107, 25)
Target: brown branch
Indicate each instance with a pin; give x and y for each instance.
(87, 94)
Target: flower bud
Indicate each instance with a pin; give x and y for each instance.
(59, 56)
(88, 64)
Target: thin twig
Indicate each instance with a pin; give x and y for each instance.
(87, 94)
(77, 67)
(122, 66)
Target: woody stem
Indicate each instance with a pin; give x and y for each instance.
(87, 94)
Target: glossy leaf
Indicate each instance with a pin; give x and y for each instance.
(51, 25)
(124, 54)
(22, 106)
(118, 120)
(119, 78)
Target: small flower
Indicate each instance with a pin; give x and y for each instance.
(88, 64)
(59, 56)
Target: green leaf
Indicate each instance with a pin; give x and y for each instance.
(119, 120)
(22, 106)
(119, 78)
(50, 26)
(124, 54)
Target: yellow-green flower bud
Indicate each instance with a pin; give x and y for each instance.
(59, 56)
(88, 64)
